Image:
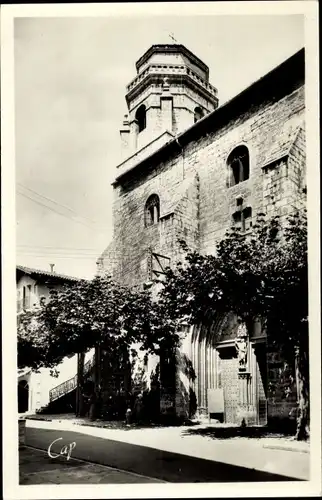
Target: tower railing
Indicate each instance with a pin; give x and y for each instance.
(168, 69)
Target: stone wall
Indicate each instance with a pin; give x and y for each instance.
(196, 202)
(133, 242)
(203, 215)
(262, 132)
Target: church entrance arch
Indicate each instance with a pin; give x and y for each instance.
(23, 396)
(223, 371)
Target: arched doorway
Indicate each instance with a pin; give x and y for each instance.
(23, 396)
(215, 361)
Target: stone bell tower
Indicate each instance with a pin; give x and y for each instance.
(170, 92)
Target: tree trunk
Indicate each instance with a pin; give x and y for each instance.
(80, 410)
(302, 377)
(167, 384)
(96, 397)
(127, 374)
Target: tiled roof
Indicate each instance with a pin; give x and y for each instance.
(48, 274)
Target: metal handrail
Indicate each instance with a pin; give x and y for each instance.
(70, 384)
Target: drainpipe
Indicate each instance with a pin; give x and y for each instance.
(181, 147)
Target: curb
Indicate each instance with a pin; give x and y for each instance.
(39, 418)
(285, 448)
(87, 424)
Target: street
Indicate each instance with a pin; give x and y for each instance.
(159, 464)
(36, 467)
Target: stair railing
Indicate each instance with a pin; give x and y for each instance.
(70, 384)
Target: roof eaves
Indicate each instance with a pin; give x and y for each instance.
(171, 47)
(47, 274)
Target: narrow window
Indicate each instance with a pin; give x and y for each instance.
(242, 219)
(152, 210)
(247, 218)
(238, 166)
(24, 297)
(140, 117)
(28, 296)
(237, 220)
(198, 114)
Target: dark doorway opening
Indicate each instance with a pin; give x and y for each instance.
(23, 396)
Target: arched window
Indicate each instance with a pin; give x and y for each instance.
(238, 166)
(140, 117)
(198, 114)
(152, 210)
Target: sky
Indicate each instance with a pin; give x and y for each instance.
(70, 79)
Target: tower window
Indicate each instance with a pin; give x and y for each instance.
(140, 117)
(198, 114)
(238, 166)
(152, 210)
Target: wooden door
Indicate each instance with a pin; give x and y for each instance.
(228, 380)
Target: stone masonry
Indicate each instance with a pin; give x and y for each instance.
(189, 174)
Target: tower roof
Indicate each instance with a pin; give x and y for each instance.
(173, 61)
(172, 49)
(276, 84)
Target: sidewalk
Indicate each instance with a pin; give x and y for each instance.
(275, 455)
(214, 431)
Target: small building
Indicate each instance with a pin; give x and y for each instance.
(34, 388)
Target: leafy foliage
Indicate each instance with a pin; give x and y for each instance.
(34, 343)
(248, 275)
(87, 313)
(263, 274)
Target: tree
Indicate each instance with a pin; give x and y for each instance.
(35, 345)
(262, 274)
(288, 309)
(97, 313)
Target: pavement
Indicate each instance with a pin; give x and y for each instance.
(175, 454)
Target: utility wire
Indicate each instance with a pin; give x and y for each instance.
(54, 255)
(55, 211)
(78, 253)
(55, 202)
(75, 257)
(56, 247)
(59, 250)
(67, 216)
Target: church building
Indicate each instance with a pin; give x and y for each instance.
(191, 169)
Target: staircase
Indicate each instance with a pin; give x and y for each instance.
(71, 384)
(60, 392)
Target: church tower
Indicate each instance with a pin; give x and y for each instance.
(170, 92)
